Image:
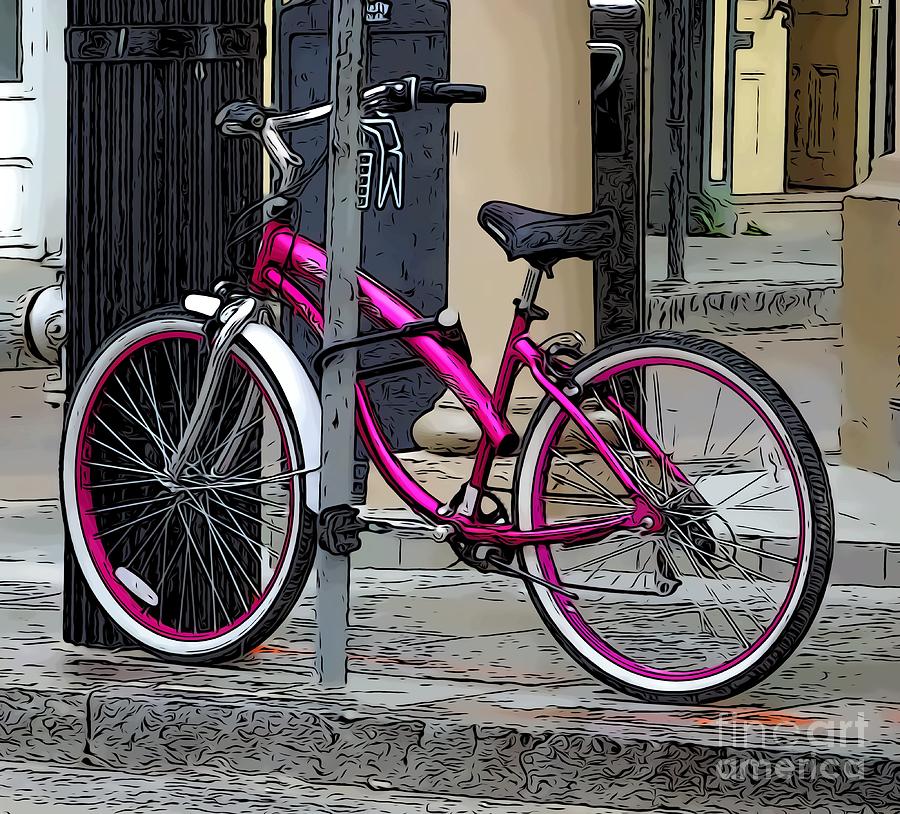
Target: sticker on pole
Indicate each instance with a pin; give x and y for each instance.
(378, 12)
(380, 174)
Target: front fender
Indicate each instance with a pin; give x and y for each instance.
(299, 390)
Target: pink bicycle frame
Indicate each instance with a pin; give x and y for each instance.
(287, 260)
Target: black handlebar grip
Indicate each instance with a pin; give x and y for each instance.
(450, 93)
(388, 97)
(402, 95)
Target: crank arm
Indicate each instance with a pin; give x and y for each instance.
(234, 318)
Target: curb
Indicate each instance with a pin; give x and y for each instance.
(709, 308)
(49, 726)
(523, 757)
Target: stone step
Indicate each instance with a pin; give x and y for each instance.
(737, 308)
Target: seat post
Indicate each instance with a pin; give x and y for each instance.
(531, 288)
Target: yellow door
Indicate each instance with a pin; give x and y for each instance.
(760, 102)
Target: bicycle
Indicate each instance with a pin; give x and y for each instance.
(670, 515)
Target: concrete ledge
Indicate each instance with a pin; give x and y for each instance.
(533, 756)
(711, 308)
(867, 546)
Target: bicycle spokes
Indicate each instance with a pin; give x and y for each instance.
(734, 532)
(191, 549)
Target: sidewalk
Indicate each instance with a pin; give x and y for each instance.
(456, 689)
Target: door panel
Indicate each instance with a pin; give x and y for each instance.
(823, 94)
(760, 103)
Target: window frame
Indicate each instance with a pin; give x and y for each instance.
(18, 76)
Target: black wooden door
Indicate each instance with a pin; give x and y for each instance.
(151, 185)
(406, 249)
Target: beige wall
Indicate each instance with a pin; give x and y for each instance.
(870, 431)
(529, 144)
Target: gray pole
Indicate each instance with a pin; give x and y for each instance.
(678, 188)
(341, 323)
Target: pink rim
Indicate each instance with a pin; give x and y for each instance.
(568, 608)
(88, 522)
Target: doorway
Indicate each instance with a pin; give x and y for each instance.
(823, 94)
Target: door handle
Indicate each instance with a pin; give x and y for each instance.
(615, 51)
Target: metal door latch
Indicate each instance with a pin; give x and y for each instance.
(339, 530)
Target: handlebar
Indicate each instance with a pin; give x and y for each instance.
(247, 118)
(451, 93)
(402, 95)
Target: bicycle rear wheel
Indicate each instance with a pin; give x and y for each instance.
(741, 565)
(203, 567)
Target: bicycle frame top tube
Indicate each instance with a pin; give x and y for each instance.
(287, 260)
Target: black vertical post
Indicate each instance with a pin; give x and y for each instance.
(710, 205)
(682, 76)
(676, 11)
(660, 94)
(151, 184)
(617, 35)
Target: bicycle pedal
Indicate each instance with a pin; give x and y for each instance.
(339, 529)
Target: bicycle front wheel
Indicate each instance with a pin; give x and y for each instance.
(741, 564)
(203, 566)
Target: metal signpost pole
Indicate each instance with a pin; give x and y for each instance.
(341, 323)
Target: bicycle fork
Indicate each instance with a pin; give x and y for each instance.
(232, 318)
